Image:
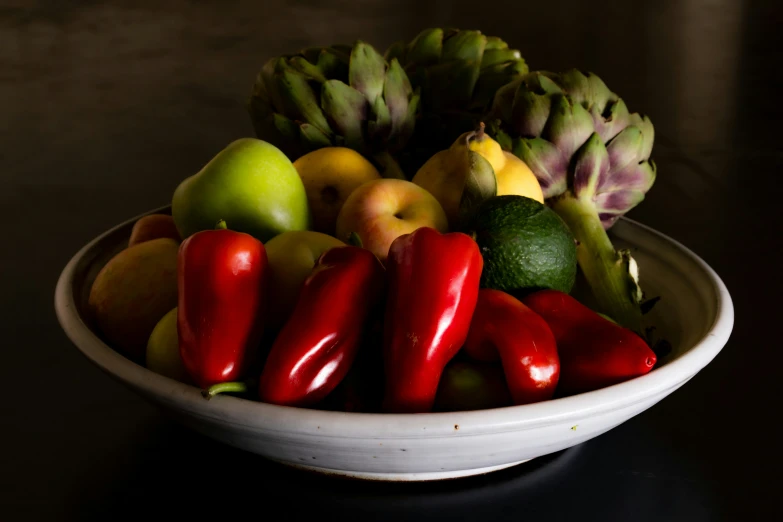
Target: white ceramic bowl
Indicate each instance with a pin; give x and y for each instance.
(695, 314)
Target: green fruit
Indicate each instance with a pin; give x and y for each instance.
(292, 256)
(471, 385)
(251, 185)
(163, 350)
(526, 246)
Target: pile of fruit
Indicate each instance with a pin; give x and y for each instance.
(423, 230)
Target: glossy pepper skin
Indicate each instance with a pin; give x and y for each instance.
(594, 352)
(505, 329)
(222, 279)
(318, 344)
(433, 287)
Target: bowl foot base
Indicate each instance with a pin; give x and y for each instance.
(403, 477)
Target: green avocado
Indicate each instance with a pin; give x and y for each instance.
(251, 185)
(526, 246)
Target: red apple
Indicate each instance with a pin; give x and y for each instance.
(380, 211)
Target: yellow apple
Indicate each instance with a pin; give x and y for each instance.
(330, 175)
(380, 211)
(292, 256)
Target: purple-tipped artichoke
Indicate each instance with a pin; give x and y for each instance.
(335, 96)
(592, 159)
(458, 72)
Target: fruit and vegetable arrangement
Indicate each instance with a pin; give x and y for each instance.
(419, 230)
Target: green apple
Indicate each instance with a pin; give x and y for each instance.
(292, 256)
(163, 350)
(251, 185)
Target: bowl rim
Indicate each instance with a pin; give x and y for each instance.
(276, 418)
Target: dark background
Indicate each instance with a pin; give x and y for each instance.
(106, 106)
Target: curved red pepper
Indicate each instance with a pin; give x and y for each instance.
(504, 328)
(317, 346)
(433, 287)
(222, 277)
(594, 352)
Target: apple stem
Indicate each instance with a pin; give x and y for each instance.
(221, 225)
(224, 387)
(355, 240)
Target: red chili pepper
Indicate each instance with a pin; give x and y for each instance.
(505, 329)
(594, 352)
(319, 342)
(222, 277)
(433, 287)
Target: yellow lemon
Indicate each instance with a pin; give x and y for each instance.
(513, 175)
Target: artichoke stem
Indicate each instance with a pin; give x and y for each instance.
(607, 272)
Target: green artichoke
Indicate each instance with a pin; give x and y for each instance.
(335, 96)
(458, 72)
(592, 159)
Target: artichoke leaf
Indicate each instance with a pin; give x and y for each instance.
(313, 138)
(530, 112)
(498, 56)
(590, 168)
(625, 148)
(569, 125)
(308, 69)
(464, 46)
(367, 71)
(396, 92)
(396, 51)
(346, 109)
(426, 48)
(494, 42)
(285, 127)
(586, 89)
(614, 118)
(546, 162)
(635, 176)
(268, 77)
(405, 130)
(489, 83)
(333, 65)
(503, 101)
(451, 83)
(379, 128)
(611, 205)
(299, 100)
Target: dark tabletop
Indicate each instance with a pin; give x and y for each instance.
(106, 106)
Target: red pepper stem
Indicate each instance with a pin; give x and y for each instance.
(221, 225)
(224, 387)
